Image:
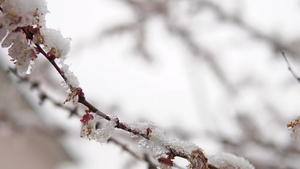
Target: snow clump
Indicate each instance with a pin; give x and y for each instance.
(227, 160)
(159, 142)
(90, 131)
(54, 41)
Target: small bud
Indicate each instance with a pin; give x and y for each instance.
(165, 162)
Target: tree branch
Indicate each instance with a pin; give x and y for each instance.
(290, 67)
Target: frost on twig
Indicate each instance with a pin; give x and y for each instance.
(157, 141)
(169, 148)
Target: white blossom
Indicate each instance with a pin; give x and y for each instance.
(28, 12)
(90, 131)
(15, 14)
(22, 25)
(21, 52)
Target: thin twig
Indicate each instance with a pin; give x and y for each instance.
(277, 44)
(290, 67)
(124, 147)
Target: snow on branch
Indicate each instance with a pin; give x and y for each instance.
(43, 96)
(23, 32)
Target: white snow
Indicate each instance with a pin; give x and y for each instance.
(54, 39)
(126, 81)
(32, 10)
(227, 160)
(71, 78)
(159, 142)
(103, 134)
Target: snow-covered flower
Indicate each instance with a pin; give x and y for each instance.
(14, 15)
(53, 42)
(23, 13)
(22, 26)
(74, 95)
(89, 130)
(20, 51)
(88, 126)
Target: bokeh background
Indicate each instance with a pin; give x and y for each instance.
(206, 71)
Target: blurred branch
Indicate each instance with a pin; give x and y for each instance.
(198, 51)
(146, 158)
(43, 97)
(255, 139)
(144, 10)
(277, 44)
(34, 85)
(290, 67)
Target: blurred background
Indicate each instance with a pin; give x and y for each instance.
(206, 71)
